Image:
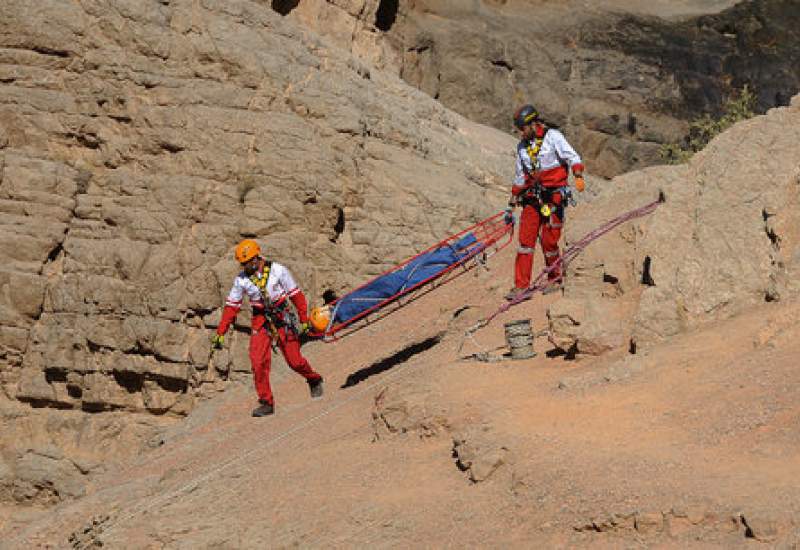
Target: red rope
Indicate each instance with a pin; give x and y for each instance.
(487, 233)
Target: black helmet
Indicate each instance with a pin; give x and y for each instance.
(525, 115)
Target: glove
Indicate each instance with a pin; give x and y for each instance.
(509, 216)
(580, 185)
(217, 341)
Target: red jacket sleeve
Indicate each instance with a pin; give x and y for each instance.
(228, 317)
(300, 303)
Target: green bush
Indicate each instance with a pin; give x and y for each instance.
(704, 129)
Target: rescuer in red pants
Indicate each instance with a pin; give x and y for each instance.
(533, 224)
(269, 286)
(543, 160)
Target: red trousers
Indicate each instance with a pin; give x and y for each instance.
(261, 359)
(532, 223)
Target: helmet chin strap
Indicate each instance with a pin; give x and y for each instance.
(251, 268)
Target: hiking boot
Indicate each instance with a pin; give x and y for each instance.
(315, 387)
(513, 293)
(554, 286)
(264, 409)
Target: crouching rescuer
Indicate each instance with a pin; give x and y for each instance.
(543, 160)
(268, 286)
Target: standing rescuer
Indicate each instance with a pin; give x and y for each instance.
(269, 286)
(544, 158)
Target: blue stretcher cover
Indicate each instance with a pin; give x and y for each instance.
(395, 283)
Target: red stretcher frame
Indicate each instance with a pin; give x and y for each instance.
(489, 235)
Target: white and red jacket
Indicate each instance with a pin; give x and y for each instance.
(549, 165)
(280, 286)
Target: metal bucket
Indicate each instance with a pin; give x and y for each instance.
(520, 339)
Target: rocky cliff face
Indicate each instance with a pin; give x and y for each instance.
(139, 142)
(620, 78)
(727, 238)
(755, 43)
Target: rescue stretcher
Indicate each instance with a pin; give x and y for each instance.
(417, 275)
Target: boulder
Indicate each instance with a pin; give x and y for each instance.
(725, 239)
(478, 457)
(42, 475)
(416, 412)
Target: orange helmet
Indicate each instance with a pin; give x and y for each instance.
(246, 251)
(320, 317)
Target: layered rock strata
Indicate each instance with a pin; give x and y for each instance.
(141, 141)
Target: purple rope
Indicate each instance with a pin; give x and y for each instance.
(541, 282)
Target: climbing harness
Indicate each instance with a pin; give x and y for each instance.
(533, 192)
(536, 194)
(278, 314)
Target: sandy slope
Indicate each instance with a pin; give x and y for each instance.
(672, 446)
